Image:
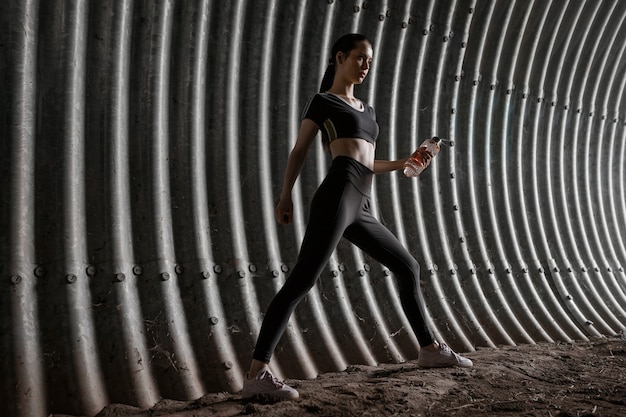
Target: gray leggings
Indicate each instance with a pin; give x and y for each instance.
(341, 207)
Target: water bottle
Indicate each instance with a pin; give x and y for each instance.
(422, 156)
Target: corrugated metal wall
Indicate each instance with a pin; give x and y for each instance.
(143, 146)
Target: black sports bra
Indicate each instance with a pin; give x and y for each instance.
(338, 119)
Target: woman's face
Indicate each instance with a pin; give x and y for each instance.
(356, 65)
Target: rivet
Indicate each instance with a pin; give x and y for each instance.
(540, 270)
(508, 91)
(411, 20)
(425, 32)
(445, 39)
(252, 268)
(457, 78)
(578, 110)
(432, 27)
(91, 270)
(596, 269)
(589, 323)
(472, 271)
(525, 270)
(165, 276)
(490, 270)
(553, 103)
(569, 269)
(342, 267)
(569, 297)
(119, 277)
(367, 267)
(453, 111)
(365, 5)
(620, 269)
(452, 175)
(241, 274)
(40, 271)
(387, 272)
(524, 95)
(583, 269)
(609, 269)
(381, 17)
(462, 239)
(471, 10)
(508, 270)
(217, 269)
(206, 274)
(330, 1)
(275, 273)
(213, 320)
(475, 82)
(356, 9)
(387, 13)
(493, 86)
(556, 269)
(137, 270)
(228, 365)
(71, 278)
(16, 279)
(590, 114)
(179, 269)
(455, 207)
(603, 117)
(614, 120)
(431, 271)
(451, 143)
(335, 273)
(566, 107)
(284, 268)
(463, 44)
(361, 272)
(452, 272)
(404, 25)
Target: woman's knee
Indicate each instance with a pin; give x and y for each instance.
(409, 275)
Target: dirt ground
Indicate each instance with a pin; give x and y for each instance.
(563, 379)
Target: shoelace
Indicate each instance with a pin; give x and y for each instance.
(447, 349)
(273, 380)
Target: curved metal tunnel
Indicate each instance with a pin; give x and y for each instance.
(143, 146)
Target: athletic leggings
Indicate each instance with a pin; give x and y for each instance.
(341, 207)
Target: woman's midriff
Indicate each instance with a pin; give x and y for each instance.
(346, 169)
(358, 149)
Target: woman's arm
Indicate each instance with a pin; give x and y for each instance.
(381, 167)
(306, 135)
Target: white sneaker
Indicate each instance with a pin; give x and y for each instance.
(442, 357)
(267, 385)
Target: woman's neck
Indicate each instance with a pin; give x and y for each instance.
(341, 89)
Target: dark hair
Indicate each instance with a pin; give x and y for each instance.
(344, 44)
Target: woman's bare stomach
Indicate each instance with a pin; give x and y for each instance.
(358, 149)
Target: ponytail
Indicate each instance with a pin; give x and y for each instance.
(329, 77)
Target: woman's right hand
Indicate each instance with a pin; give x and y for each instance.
(284, 211)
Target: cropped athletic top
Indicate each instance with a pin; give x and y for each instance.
(338, 119)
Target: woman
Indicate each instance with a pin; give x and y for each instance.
(340, 207)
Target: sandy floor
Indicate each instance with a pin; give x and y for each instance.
(579, 379)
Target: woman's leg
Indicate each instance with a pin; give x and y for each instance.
(333, 208)
(376, 240)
